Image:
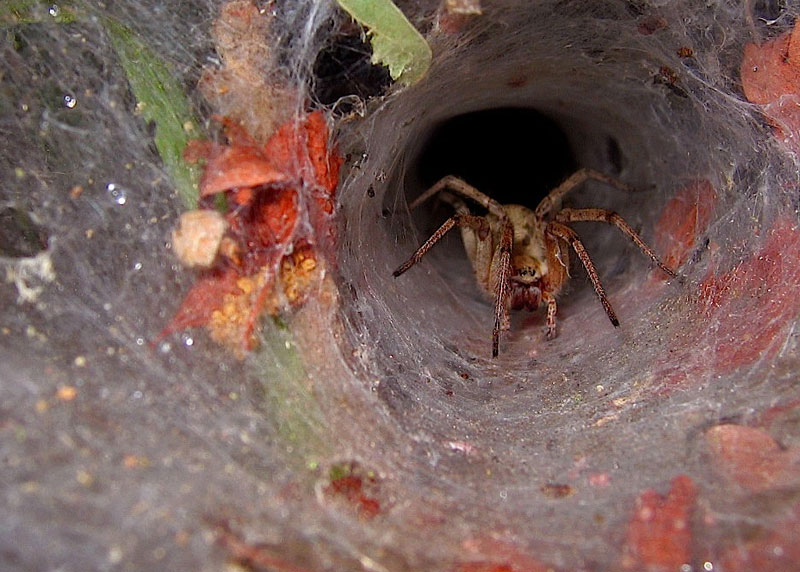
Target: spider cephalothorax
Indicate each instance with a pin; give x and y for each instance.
(521, 256)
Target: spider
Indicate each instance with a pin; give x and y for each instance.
(521, 256)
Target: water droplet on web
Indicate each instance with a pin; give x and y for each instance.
(117, 193)
(69, 101)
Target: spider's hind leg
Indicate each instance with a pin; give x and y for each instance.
(550, 203)
(457, 186)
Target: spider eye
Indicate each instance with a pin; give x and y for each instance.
(527, 271)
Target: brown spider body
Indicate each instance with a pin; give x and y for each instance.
(531, 273)
(521, 256)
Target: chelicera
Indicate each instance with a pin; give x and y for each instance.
(521, 256)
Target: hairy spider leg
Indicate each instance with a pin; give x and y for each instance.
(502, 320)
(564, 232)
(478, 223)
(610, 217)
(480, 248)
(552, 308)
(553, 198)
(461, 187)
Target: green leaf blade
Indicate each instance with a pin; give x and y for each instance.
(162, 101)
(395, 42)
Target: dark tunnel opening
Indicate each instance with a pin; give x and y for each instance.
(513, 154)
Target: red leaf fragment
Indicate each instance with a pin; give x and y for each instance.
(256, 556)
(752, 303)
(203, 299)
(489, 554)
(485, 567)
(651, 24)
(296, 154)
(358, 488)
(750, 457)
(272, 189)
(683, 220)
(238, 167)
(776, 551)
(771, 77)
(744, 313)
(659, 532)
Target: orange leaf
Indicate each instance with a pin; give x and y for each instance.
(750, 457)
(659, 533)
(771, 77)
(236, 167)
(683, 220)
(266, 185)
(202, 300)
(764, 289)
(772, 69)
(775, 550)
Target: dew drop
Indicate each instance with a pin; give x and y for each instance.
(54, 10)
(117, 193)
(137, 266)
(69, 101)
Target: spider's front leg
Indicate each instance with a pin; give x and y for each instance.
(478, 223)
(502, 289)
(565, 233)
(610, 217)
(552, 308)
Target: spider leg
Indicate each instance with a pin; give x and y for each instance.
(479, 249)
(553, 198)
(552, 307)
(610, 217)
(500, 270)
(501, 314)
(478, 223)
(564, 232)
(460, 187)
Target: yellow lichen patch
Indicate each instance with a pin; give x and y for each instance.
(298, 273)
(232, 324)
(135, 461)
(66, 393)
(230, 249)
